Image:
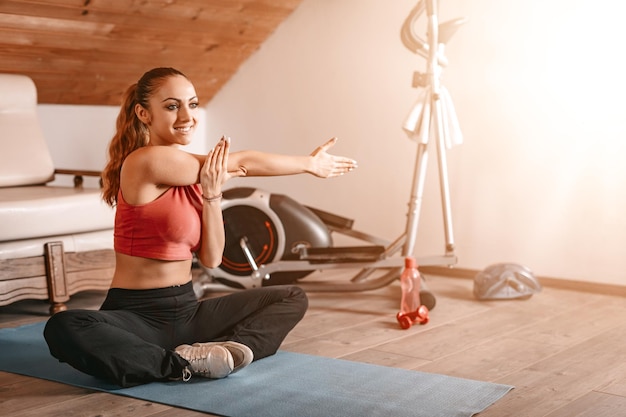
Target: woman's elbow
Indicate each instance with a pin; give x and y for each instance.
(210, 261)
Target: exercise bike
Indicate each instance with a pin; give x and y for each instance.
(272, 239)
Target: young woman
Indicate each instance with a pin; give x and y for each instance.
(151, 327)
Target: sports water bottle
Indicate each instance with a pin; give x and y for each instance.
(411, 308)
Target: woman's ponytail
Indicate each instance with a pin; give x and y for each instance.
(130, 134)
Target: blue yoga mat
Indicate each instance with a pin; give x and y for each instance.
(286, 384)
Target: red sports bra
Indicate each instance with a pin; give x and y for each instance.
(167, 228)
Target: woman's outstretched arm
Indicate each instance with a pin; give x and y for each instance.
(319, 163)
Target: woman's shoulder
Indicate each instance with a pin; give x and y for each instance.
(151, 152)
(156, 157)
(161, 166)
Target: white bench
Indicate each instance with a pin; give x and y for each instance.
(54, 240)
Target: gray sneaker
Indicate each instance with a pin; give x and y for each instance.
(214, 360)
(242, 354)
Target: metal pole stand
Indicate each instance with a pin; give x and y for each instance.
(432, 117)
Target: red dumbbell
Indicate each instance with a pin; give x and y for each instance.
(420, 316)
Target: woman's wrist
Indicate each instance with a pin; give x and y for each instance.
(212, 199)
(309, 164)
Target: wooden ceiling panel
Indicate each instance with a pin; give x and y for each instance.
(90, 51)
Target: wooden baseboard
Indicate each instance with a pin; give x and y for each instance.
(561, 283)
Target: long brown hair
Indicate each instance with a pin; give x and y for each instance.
(131, 133)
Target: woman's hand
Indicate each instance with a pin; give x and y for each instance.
(325, 165)
(214, 171)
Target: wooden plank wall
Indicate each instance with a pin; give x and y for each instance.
(90, 51)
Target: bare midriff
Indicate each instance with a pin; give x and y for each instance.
(136, 273)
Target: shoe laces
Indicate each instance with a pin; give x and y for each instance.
(211, 361)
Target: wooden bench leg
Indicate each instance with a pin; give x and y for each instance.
(55, 276)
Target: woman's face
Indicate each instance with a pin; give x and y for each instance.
(172, 116)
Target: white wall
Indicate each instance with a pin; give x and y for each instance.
(539, 89)
(77, 136)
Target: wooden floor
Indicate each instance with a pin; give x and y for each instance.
(564, 351)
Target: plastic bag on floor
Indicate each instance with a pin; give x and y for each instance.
(505, 281)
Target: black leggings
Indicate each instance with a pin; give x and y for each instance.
(131, 339)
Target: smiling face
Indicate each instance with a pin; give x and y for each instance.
(171, 116)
